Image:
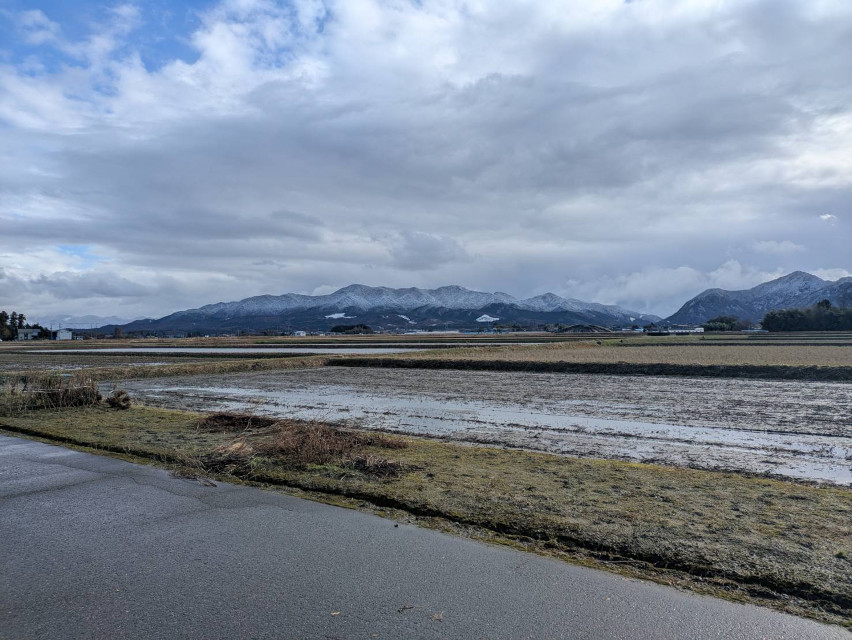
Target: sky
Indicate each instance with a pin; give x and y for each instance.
(165, 154)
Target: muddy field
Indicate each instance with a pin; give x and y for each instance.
(794, 429)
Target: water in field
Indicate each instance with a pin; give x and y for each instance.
(796, 429)
(232, 350)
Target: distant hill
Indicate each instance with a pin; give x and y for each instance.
(80, 322)
(383, 308)
(796, 290)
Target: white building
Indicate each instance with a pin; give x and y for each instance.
(28, 334)
(64, 334)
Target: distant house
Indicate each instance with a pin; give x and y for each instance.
(675, 330)
(64, 334)
(28, 334)
(683, 329)
(299, 333)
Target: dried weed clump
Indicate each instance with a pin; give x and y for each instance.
(296, 444)
(48, 391)
(305, 443)
(118, 399)
(234, 422)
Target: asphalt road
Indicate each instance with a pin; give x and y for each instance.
(93, 547)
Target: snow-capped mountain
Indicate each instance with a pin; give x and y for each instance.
(795, 290)
(384, 307)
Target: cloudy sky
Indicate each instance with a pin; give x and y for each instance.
(166, 154)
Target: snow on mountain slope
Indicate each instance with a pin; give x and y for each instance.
(364, 298)
(444, 305)
(795, 290)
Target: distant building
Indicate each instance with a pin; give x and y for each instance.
(28, 334)
(64, 334)
(300, 333)
(683, 329)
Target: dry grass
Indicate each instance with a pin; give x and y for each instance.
(764, 540)
(201, 368)
(45, 391)
(705, 354)
(208, 366)
(295, 443)
(305, 443)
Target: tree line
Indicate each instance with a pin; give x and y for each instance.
(10, 323)
(821, 317)
(725, 323)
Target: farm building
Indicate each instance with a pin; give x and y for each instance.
(28, 334)
(64, 334)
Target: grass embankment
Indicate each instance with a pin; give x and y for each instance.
(754, 372)
(779, 543)
(786, 362)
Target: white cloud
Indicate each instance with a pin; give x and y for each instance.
(414, 250)
(37, 28)
(626, 149)
(663, 290)
(776, 247)
(831, 274)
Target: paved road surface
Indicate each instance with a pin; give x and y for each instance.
(93, 547)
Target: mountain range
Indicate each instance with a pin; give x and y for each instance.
(454, 307)
(384, 308)
(795, 290)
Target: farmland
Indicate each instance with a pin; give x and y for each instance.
(648, 351)
(785, 428)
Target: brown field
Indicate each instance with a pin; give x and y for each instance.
(799, 356)
(684, 353)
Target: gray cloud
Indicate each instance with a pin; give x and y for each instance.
(632, 153)
(414, 251)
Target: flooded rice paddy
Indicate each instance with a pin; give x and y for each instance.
(799, 430)
(231, 350)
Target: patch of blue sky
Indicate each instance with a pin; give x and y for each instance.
(83, 252)
(161, 36)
